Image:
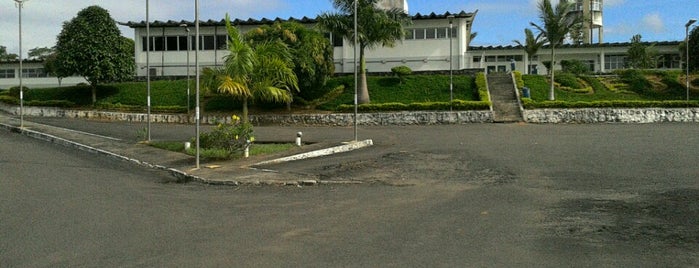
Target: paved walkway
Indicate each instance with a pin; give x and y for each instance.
(111, 142)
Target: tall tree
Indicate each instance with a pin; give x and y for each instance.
(4, 56)
(693, 50)
(531, 45)
(312, 53)
(253, 72)
(52, 67)
(40, 53)
(556, 26)
(641, 56)
(91, 45)
(376, 28)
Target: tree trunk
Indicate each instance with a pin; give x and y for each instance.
(552, 95)
(245, 110)
(94, 94)
(363, 88)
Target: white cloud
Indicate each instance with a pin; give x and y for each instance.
(654, 23)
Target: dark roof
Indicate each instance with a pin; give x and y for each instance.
(263, 21)
(618, 44)
(23, 61)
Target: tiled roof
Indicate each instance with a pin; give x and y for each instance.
(250, 21)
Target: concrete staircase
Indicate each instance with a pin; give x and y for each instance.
(506, 106)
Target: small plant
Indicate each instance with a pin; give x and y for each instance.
(401, 72)
(233, 137)
(142, 134)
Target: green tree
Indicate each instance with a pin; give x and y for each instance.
(312, 53)
(91, 45)
(253, 71)
(4, 56)
(641, 56)
(556, 26)
(376, 28)
(531, 44)
(40, 53)
(52, 67)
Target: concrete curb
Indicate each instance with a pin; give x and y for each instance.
(182, 176)
(349, 146)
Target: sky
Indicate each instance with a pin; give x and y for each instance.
(497, 22)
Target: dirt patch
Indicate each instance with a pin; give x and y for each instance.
(670, 218)
(413, 168)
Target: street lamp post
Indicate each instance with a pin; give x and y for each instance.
(686, 45)
(196, 64)
(148, 68)
(186, 28)
(451, 64)
(356, 79)
(21, 86)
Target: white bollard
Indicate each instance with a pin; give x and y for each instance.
(298, 138)
(187, 145)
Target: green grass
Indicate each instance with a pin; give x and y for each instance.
(219, 154)
(414, 89)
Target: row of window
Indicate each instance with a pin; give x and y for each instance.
(179, 43)
(26, 73)
(430, 33)
(501, 58)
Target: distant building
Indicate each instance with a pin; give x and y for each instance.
(33, 75)
(592, 14)
(601, 58)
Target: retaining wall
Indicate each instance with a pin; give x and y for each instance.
(543, 116)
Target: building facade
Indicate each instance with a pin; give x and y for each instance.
(601, 58)
(33, 75)
(430, 44)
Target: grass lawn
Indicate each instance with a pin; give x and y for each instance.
(216, 154)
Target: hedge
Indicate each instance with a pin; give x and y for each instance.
(418, 106)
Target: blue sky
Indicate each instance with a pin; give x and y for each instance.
(498, 21)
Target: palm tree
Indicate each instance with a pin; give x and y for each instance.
(376, 27)
(260, 72)
(557, 25)
(531, 44)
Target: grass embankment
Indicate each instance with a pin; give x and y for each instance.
(630, 88)
(218, 154)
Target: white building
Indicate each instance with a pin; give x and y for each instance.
(33, 75)
(601, 58)
(426, 47)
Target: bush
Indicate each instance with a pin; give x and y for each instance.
(14, 91)
(530, 104)
(695, 82)
(568, 80)
(231, 137)
(482, 86)
(636, 80)
(9, 99)
(418, 106)
(576, 67)
(401, 72)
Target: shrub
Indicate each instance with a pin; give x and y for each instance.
(568, 80)
(518, 79)
(231, 137)
(695, 82)
(482, 86)
(9, 99)
(401, 72)
(576, 67)
(636, 80)
(14, 91)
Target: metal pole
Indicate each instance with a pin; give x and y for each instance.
(186, 28)
(148, 67)
(686, 44)
(356, 80)
(196, 64)
(451, 64)
(21, 85)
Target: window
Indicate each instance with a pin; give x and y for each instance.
(431, 33)
(182, 40)
(222, 42)
(34, 72)
(172, 43)
(442, 33)
(208, 42)
(158, 43)
(409, 34)
(477, 59)
(419, 34)
(596, 5)
(7, 73)
(614, 62)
